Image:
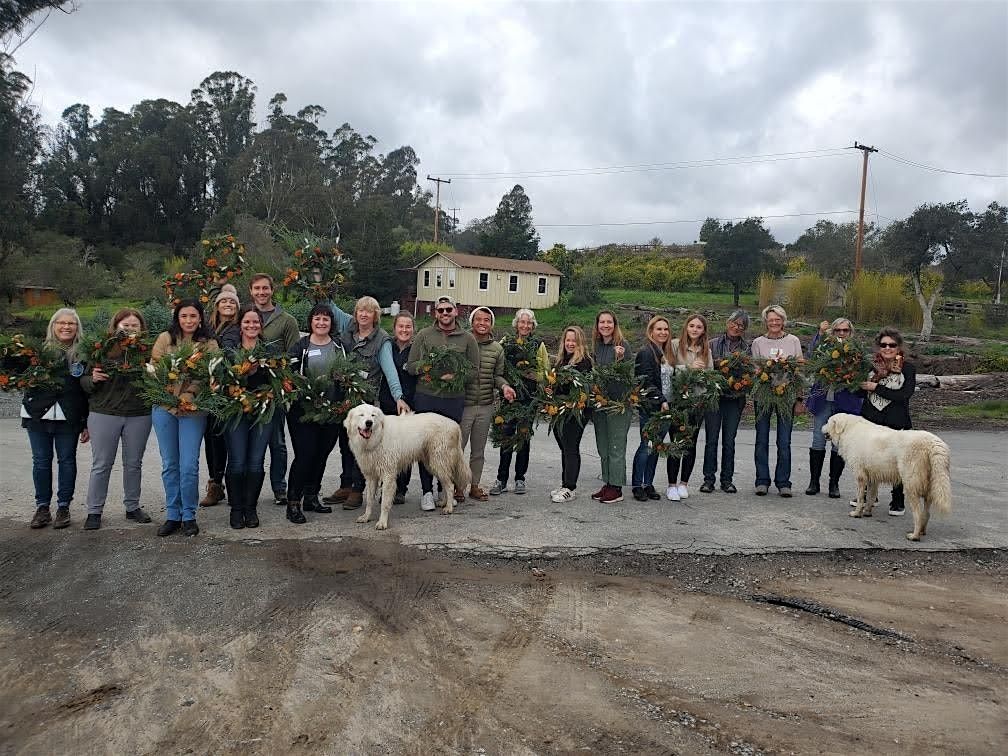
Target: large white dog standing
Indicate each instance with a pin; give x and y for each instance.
(876, 454)
(384, 445)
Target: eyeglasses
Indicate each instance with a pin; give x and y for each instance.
(888, 344)
(444, 310)
(841, 330)
(66, 323)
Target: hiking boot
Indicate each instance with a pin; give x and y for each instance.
(476, 493)
(354, 500)
(519, 487)
(613, 495)
(498, 488)
(237, 518)
(168, 527)
(62, 519)
(93, 522)
(338, 496)
(311, 503)
(214, 494)
(834, 490)
(784, 492)
(707, 487)
(294, 513)
(138, 515)
(729, 487)
(280, 498)
(762, 490)
(42, 518)
(652, 494)
(639, 493)
(190, 528)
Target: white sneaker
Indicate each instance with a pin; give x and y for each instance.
(672, 493)
(683, 491)
(555, 491)
(427, 502)
(564, 494)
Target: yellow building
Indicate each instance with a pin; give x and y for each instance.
(472, 280)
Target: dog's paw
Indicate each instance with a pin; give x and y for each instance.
(913, 537)
(448, 509)
(855, 513)
(362, 519)
(381, 525)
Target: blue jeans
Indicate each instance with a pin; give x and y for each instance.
(278, 454)
(827, 411)
(645, 460)
(179, 439)
(724, 420)
(782, 472)
(44, 436)
(246, 445)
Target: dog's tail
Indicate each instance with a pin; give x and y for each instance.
(461, 475)
(941, 483)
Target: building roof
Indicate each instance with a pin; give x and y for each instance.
(484, 262)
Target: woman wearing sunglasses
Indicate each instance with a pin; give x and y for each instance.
(888, 389)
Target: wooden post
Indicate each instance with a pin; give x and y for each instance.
(859, 244)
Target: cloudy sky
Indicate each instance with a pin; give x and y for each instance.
(623, 121)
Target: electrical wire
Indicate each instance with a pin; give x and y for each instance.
(693, 220)
(926, 167)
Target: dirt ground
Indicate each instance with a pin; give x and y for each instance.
(169, 646)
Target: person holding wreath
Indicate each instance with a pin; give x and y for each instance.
(654, 363)
(361, 337)
(692, 352)
(775, 344)
(227, 334)
(313, 356)
(179, 430)
(403, 329)
(118, 413)
(724, 420)
(822, 404)
(608, 346)
(887, 393)
(440, 394)
(521, 347)
(55, 416)
(572, 353)
(247, 440)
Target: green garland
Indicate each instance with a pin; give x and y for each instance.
(695, 391)
(27, 363)
(443, 361)
(676, 422)
(616, 389)
(230, 382)
(839, 364)
(167, 378)
(777, 384)
(513, 424)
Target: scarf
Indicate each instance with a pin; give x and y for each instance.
(891, 381)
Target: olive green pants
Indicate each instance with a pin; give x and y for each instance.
(610, 440)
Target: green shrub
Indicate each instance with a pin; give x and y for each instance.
(586, 287)
(881, 298)
(807, 296)
(767, 286)
(992, 362)
(157, 315)
(974, 290)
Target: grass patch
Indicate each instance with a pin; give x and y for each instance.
(991, 409)
(86, 310)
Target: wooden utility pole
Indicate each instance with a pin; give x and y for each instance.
(454, 211)
(437, 202)
(860, 224)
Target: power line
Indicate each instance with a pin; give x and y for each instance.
(693, 220)
(772, 157)
(926, 167)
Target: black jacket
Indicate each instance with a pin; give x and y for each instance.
(406, 381)
(647, 365)
(71, 397)
(896, 414)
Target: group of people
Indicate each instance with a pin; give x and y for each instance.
(110, 411)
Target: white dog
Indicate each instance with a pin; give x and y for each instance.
(876, 454)
(384, 445)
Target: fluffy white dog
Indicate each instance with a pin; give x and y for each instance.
(384, 445)
(876, 454)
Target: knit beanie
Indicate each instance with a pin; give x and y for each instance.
(227, 292)
(487, 310)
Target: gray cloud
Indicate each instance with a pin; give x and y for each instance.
(502, 87)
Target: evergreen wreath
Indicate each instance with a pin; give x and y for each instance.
(443, 361)
(27, 363)
(839, 364)
(230, 382)
(678, 424)
(777, 384)
(165, 380)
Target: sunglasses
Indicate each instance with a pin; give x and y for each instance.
(888, 344)
(444, 310)
(841, 330)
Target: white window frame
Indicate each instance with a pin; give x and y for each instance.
(438, 277)
(516, 279)
(426, 278)
(542, 286)
(479, 280)
(451, 278)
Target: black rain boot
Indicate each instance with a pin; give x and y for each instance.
(816, 458)
(836, 467)
(294, 513)
(312, 503)
(236, 483)
(253, 486)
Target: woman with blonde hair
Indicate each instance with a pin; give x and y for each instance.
(654, 363)
(573, 353)
(118, 413)
(692, 352)
(609, 346)
(55, 419)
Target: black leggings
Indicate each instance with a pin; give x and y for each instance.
(569, 441)
(312, 444)
(215, 448)
(685, 462)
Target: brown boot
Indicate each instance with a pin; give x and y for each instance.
(214, 494)
(354, 500)
(477, 493)
(338, 496)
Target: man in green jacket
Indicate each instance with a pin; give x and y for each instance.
(480, 399)
(445, 332)
(280, 332)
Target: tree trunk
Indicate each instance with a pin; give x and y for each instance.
(926, 304)
(736, 292)
(962, 382)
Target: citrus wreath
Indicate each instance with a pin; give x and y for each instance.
(563, 396)
(676, 422)
(839, 364)
(26, 363)
(167, 380)
(223, 258)
(230, 380)
(326, 399)
(513, 424)
(317, 272)
(120, 352)
(737, 370)
(777, 385)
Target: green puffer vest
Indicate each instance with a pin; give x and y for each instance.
(489, 374)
